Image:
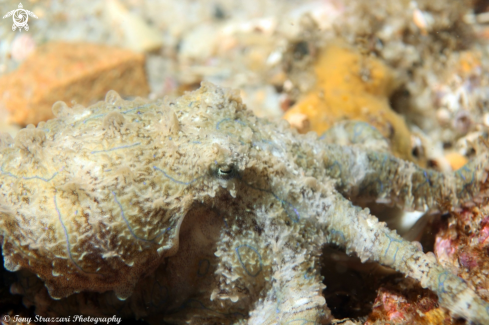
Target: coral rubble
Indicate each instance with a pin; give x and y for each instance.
(462, 246)
(407, 303)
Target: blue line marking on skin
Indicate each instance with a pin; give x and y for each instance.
(270, 142)
(218, 125)
(357, 130)
(310, 271)
(459, 171)
(163, 291)
(68, 245)
(304, 321)
(284, 203)
(377, 181)
(93, 117)
(464, 187)
(277, 307)
(117, 148)
(373, 183)
(384, 160)
(334, 232)
(388, 246)
(203, 267)
(243, 265)
(124, 112)
(130, 228)
(135, 109)
(427, 180)
(381, 185)
(335, 164)
(442, 277)
(29, 177)
(176, 180)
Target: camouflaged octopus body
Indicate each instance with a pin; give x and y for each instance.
(94, 199)
(198, 212)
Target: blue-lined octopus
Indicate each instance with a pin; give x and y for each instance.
(196, 211)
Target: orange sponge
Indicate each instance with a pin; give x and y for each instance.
(355, 87)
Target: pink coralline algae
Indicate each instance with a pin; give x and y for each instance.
(463, 247)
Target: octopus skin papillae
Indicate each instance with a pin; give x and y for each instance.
(196, 211)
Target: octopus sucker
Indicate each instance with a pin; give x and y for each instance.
(198, 212)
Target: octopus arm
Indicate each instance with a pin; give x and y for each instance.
(375, 176)
(275, 275)
(295, 294)
(357, 231)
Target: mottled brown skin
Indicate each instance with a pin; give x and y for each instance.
(197, 211)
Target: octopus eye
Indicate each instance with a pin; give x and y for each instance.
(226, 172)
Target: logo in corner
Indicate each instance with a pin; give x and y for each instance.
(20, 17)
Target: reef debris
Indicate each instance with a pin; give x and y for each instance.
(78, 71)
(462, 245)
